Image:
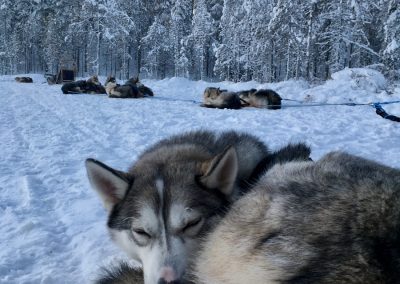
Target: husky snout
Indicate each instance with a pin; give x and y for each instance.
(168, 275)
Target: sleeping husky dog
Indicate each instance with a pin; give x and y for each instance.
(216, 98)
(24, 79)
(89, 86)
(127, 90)
(177, 192)
(137, 88)
(264, 98)
(333, 221)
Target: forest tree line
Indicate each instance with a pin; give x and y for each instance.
(237, 40)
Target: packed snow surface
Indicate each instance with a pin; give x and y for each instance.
(52, 224)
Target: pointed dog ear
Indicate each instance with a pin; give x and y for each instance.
(221, 171)
(110, 184)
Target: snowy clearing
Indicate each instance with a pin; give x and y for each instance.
(52, 225)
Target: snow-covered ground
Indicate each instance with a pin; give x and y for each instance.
(52, 225)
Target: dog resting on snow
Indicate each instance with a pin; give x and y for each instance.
(336, 220)
(131, 89)
(24, 79)
(217, 98)
(89, 86)
(264, 98)
(177, 192)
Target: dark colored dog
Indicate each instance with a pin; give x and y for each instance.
(90, 86)
(146, 91)
(24, 79)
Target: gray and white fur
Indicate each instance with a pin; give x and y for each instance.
(127, 90)
(264, 98)
(216, 98)
(333, 221)
(175, 194)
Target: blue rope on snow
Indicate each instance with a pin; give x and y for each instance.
(380, 111)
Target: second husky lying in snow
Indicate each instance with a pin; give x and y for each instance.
(177, 192)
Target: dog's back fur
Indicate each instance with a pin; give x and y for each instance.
(333, 221)
(146, 91)
(76, 87)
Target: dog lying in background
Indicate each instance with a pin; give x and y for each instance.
(217, 98)
(264, 98)
(127, 90)
(131, 89)
(24, 79)
(89, 86)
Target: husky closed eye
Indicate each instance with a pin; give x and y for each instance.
(141, 236)
(141, 232)
(192, 225)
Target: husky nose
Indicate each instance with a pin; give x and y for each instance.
(162, 281)
(168, 276)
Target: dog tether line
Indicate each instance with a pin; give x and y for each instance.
(377, 105)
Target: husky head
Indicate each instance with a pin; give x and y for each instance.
(165, 204)
(212, 93)
(94, 79)
(246, 93)
(110, 79)
(110, 85)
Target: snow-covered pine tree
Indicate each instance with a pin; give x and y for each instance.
(229, 50)
(181, 18)
(7, 52)
(391, 44)
(201, 37)
(266, 40)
